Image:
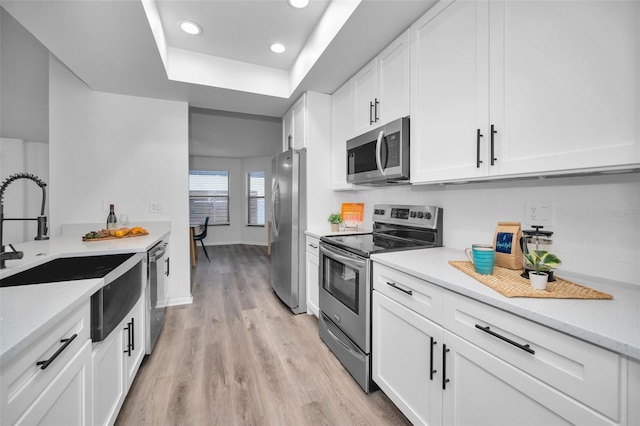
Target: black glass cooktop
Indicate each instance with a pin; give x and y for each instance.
(367, 244)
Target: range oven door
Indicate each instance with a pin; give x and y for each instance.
(345, 293)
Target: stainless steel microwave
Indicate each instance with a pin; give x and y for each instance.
(380, 156)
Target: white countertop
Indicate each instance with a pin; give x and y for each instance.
(28, 312)
(70, 244)
(612, 324)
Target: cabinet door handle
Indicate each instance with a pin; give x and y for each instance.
(370, 113)
(431, 370)
(478, 160)
(493, 132)
(128, 328)
(375, 110)
(444, 367)
(133, 335)
(44, 364)
(487, 329)
(168, 266)
(404, 290)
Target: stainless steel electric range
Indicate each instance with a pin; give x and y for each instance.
(345, 279)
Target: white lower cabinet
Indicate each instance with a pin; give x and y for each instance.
(58, 391)
(404, 358)
(471, 364)
(312, 271)
(115, 363)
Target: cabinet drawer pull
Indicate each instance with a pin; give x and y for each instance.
(431, 370)
(493, 132)
(444, 367)
(478, 160)
(404, 290)
(67, 342)
(312, 246)
(487, 329)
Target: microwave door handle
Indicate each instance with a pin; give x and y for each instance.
(379, 152)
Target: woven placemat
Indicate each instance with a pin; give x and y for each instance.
(509, 283)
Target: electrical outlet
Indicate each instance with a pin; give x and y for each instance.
(155, 207)
(538, 213)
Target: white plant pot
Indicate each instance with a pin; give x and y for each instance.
(538, 281)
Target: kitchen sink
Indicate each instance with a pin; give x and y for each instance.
(67, 269)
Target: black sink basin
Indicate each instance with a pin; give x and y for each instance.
(67, 269)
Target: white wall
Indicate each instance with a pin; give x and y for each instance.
(108, 148)
(23, 198)
(596, 221)
(24, 83)
(237, 232)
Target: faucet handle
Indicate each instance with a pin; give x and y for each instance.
(13, 254)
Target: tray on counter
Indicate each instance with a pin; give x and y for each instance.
(509, 283)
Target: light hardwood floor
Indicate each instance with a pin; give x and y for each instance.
(238, 356)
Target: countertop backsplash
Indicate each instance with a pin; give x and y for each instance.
(596, 219)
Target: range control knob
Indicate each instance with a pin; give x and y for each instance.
(428, 215)
(420, 215)
(412, 214)
(381, 211)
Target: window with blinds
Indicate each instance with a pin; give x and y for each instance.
(209, 196)
(255, 198)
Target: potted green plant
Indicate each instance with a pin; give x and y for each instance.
(335, 219)
(542, 261)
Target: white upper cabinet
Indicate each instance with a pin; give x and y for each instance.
(393, 80)
(524, 88)
(342, 128)
(450, 92)
(293, 126)
(381, 88)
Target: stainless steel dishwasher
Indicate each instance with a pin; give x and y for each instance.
(156, 292)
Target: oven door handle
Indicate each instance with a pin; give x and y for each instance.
(347, 259)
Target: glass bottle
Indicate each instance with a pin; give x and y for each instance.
(112, 220)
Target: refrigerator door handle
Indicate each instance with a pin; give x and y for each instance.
(275, 205)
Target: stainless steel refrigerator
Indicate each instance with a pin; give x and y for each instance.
(288, 215)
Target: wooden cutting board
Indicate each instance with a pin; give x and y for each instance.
(110, 237)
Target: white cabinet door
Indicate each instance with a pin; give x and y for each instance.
(364, 97)
(299, 124)
(342, 129)
(393, 71)
(133, 341)
(108, 376)
(449, 102)
(313, 292)
(481, 389)
(564, 84)
(406, 362)
(287, 130)
(67, 399)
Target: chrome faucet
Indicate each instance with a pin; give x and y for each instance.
(42, 219)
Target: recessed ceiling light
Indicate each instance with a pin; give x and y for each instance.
(278, 48)
(190, 27)
(298, 4)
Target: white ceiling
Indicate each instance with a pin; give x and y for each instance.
(110, 45)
